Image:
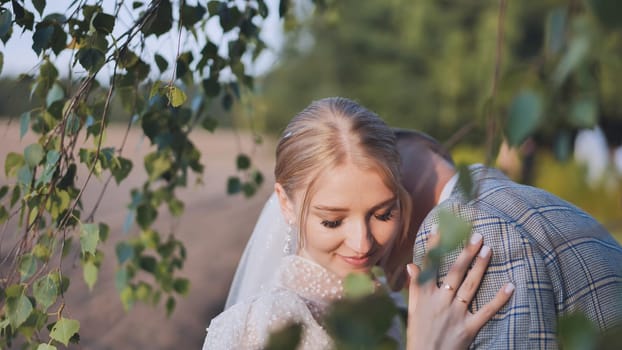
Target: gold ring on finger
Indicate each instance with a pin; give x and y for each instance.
(447, 287)
(462, 300)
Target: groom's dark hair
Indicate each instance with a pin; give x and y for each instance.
(423, 139)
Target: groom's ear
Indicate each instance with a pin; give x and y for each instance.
(287, 205)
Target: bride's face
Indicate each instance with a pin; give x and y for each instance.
(353, 218)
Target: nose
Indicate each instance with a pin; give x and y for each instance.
(358, 238)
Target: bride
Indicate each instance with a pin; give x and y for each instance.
(338, 207)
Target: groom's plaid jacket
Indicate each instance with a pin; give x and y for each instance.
(559, 258)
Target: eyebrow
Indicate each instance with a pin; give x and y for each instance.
(343, 210)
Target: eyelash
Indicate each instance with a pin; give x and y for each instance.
(382, 217)
(386, 216)
(331, 224)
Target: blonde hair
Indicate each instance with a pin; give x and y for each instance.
(331, 132)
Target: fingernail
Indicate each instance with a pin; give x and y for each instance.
(410, 271)
(475, 238)
(434, 229)
(509, 288)
(484, 251)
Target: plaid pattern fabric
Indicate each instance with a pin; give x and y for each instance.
(559, 258)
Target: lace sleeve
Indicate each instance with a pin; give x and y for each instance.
(248, 325)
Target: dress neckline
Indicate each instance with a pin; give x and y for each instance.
(309, 280)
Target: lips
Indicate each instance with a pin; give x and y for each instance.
(358, 262)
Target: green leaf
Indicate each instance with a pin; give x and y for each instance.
(258, 177)
(24, 124)
(12, 163)
(283, 8)
(170, 306)
(124, 252)
(56, 93)
(234, 185)
(6, 17)
(145, 215)
(190, 15)
(176, 207)
(41, 252)
(23, 17)
(181, 286)
(609, 12)
(39, 6)
(584, 113)
(357, 285)
(89, 237)
(64, 329)
(229, 17)
(4, 214)
(453, 230)
(1, 61)
(176, 96)
(556, 30)
(465, 182)
(227, 101)
(577, 332)
(148, 263)
(121, 169)
(44, 346)
(42, 37)
(18, 310)
(24, 177)
(90, 272)
(59, 40)
(155, 89)
(103, 22)
(243, 162)
(45, 291)
(104, 232)
(161, 62)
(127, 298)
(578, 49)
(33, 154)
(360, 323)
(121, 279)
(51, 161)
(288, 337)
(524, 116)
(209, 123)
(127, 58)
(91, 59)
(211, 86)
(562, 145)
(262, 8)
(249, 189)
(34, 214)
(27, 266)
(162, 22)
(16, 195)
(156, 165)
(3, 191)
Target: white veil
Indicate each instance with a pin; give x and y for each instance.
(267, 245)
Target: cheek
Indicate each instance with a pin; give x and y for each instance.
(384, 232)
(321, 239)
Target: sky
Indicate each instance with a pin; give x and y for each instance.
(20, 58)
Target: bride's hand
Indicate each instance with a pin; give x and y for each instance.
(438, 318)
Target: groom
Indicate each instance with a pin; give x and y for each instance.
(559, 258)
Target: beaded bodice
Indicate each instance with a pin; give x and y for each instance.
(300, 292)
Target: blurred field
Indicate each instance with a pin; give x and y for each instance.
(214, 228)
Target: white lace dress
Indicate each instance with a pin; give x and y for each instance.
(301, 292)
